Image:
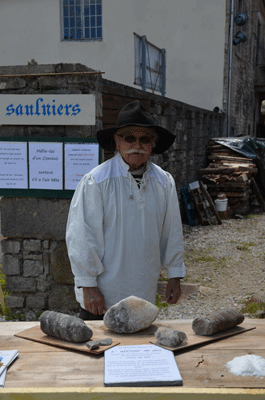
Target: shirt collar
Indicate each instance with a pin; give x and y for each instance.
(127, 167)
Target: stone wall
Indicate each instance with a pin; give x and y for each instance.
(193, 127)
(35, 260)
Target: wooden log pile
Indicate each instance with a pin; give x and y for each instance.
(229, 172)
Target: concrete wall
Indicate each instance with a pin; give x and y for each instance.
(35, 261)
(192, 32)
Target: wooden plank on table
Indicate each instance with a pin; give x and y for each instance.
(207, 368)
(35, 334)
(144, 336)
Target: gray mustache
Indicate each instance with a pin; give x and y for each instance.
(135, 151)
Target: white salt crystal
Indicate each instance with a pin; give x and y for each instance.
(249, 365)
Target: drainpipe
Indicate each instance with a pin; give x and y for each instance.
(230, 66)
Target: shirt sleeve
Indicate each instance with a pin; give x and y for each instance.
(171, 243)
(84, 233)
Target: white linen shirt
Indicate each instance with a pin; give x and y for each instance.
(117, 243)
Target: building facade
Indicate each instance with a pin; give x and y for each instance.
(247, 65)
(100, 35)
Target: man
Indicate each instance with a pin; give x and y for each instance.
(124, 221)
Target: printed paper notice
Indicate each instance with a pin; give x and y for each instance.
(142, 365)
(46, 165)
(13, 165)
(80, 158)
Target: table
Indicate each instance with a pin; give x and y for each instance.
(47, 372)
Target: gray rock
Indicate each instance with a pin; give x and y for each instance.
(170, 337)
(94, 344)
(65, 327)
(130, 315)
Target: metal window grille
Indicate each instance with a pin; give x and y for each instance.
(81, 19)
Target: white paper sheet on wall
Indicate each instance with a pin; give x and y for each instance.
(46, 165)
(80, 158)
(13, 165)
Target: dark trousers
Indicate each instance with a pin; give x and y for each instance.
(88, 316)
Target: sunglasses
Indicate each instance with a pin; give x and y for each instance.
(143, 139)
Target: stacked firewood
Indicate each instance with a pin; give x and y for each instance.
(230, 173)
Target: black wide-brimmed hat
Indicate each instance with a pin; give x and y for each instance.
(135, 114)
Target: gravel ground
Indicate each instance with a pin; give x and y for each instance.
(228, 261)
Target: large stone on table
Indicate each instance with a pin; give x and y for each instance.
(170, 337)
(130, 315)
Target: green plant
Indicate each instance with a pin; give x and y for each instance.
(253, 307)
(249, 216)
(38, 314)
(159, 303)
(7, 312)
(244, 246)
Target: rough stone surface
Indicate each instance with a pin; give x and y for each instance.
(60, 264)
(36, 301)
(65, 327)
(32, 268)
(10, 246)
(11, 265)
(32, 245)
(14, 301)
(19, 284)
(216, 322)
(62, 297)
(130, 315)
(32, 218)
(170, 337)
(94, 344)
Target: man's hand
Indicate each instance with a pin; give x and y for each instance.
(94, 300)
(173, 290)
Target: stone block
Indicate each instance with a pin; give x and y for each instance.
(32, 268)
(32, 245)
(52, 82)
(130, 315)
(26, 69)
(12, 83)
(60, 264)
(46, 245)
(62, 298)
(30, 256)
(19, 284)
(14, 301)
(42, 284)
(36, 302)
(11, 130)
(11, 265)
(36, 218)
(10, 246)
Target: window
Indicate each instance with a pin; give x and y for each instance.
(81, 19)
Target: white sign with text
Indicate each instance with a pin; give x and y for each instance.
(80, 158)
(140, 365)
(47, 109)
(46, 165)
(13, 165)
